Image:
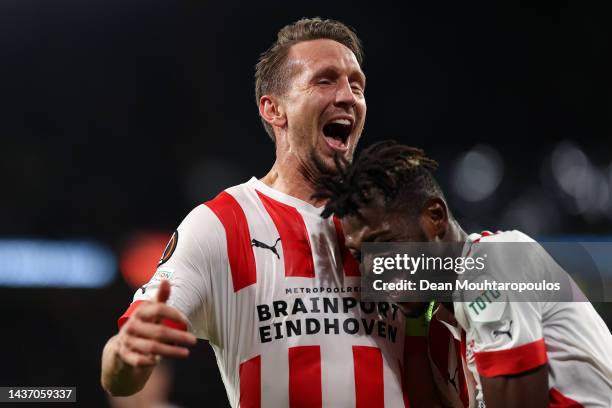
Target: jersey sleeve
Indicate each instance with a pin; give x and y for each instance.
(507, 335)
(192, 255)
(512, 342)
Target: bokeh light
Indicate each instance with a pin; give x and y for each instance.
(141, 255)
(477, 173)
(585, 188)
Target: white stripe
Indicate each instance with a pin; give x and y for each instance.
(275, 377)
(338, 378)
(392, 382)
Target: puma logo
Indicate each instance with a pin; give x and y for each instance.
(259, 244)
(508, 332)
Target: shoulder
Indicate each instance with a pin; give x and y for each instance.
(198, 219)
(483, 242)
(207, 222)
(500, 236)
(211, 212)
(503, 249)
(232, 201)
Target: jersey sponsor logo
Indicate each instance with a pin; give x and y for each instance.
(489, 306)
(327, 315)
(169, 248)
(502, 332)
(259, 244)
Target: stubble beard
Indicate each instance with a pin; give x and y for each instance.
(315, 164)
(319, 166)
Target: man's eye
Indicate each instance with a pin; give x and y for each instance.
(324, 82)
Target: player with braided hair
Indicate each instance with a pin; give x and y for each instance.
(526, 354)
(398, 171)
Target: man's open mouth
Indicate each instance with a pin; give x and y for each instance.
(337, 132)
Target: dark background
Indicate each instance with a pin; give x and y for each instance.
(118, 117)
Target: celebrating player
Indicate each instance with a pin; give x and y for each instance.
(525, 354)
(259, 273)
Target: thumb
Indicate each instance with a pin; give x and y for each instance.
(163, 293)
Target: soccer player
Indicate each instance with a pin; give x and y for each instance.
(525, 354)
(259, 273)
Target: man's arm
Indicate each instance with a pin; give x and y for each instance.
(419, 382)
(524, 390)
(418, 377)
(128, 358)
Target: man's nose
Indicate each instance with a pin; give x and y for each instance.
(344, 94)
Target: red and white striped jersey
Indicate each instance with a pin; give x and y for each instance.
(270, 284)
(515, 337)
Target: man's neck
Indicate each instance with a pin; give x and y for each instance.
(454, 235)
(291, 181)
(455, 232)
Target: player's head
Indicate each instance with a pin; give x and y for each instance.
(309, 87)
(387, 194)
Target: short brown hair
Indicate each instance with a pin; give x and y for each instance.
(271, 73)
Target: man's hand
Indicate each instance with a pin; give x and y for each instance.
(130, 356)
(143, 339)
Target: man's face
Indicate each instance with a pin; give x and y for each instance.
(324, 103)
(375, 223)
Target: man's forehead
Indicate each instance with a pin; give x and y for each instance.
(321, 52)
(368, 217)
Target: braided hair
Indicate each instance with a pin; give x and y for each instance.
(400, 173)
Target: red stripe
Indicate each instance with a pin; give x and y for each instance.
(462, 378)
(239, 249)
(558, 400)
(465, 398)
(485, 234)
(166, 322)
(305, 377)
(349, 264)
(512, 361)
(297, 253)
(369, 386)
(250, 383)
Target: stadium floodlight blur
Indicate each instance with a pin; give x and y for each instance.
(585, 188)
(140, 256)
(477, 173)
(55, 264)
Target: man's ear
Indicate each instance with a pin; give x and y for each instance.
(271, 111)
(434, 219)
